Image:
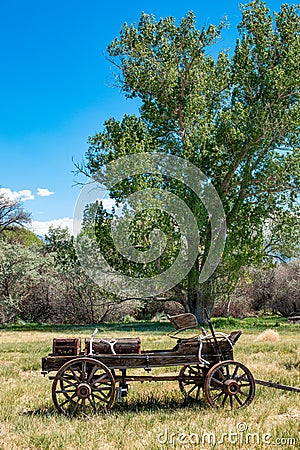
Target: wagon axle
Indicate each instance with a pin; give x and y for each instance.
(83, 390)
(231, 387)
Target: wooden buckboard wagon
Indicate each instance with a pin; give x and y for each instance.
(92, 378)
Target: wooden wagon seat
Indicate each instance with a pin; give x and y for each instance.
(187, 321)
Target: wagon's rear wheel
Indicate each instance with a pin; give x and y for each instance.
(191, 380)
(229, 384)
(83, 385)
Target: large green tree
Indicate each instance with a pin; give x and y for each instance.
(234, 116)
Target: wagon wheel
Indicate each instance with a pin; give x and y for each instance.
(83, 385)
(191, 381)
(229, 384)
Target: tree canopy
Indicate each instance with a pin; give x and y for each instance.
(236, 117)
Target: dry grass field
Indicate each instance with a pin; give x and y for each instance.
(155, 415)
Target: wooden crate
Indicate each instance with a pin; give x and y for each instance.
(66, 346)
(120, 346)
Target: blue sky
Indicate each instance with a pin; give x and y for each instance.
(56, 89)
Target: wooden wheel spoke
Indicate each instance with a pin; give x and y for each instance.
(188, 383)
(74, 374)
(83, 371)
(193, 370)
(102, 388)
(238, 400)
(65, 391)
(216, 381)
(71, 381)
(235, 371)
(242, 377)
(219, 372)
(68, 399)
(103, 399)
(68, 384)
(224, 399)
(91, 400)
(101, 383)
(192, 389)
(94, 370)
(244, 393)
(68, 375)
(227, 371)
(99, 379)
(76, 406)
(218, 396)
(100, 392)
(84, 405)
(231, 401)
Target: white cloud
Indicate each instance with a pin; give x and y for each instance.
(22, 195)
(41, 227)
(44, 192)
(108, 203)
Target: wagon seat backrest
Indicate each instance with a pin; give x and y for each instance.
(182, 322)
(234, 336)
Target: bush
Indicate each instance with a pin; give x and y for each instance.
(278, 289)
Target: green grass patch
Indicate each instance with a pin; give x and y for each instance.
(154, 415)
(220, 323)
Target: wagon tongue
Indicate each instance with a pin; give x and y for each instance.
(277, 385)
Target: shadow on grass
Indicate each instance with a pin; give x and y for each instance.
(141, 404)
(152, 403)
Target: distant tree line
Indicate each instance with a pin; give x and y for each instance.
(42, 281)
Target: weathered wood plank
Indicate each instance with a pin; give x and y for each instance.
(131, 361)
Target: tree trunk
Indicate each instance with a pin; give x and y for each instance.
(199, 296)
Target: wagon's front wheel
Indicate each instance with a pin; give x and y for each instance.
(83, 385)
(229, 384)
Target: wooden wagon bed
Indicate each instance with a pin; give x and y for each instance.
(187, 351)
